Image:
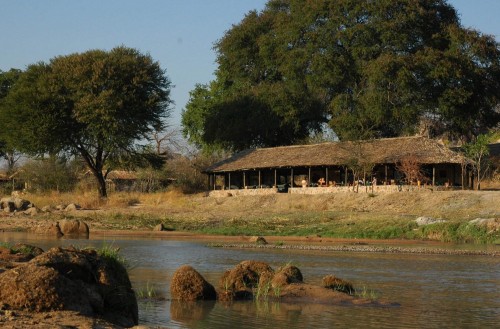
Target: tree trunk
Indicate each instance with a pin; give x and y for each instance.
(96, 166)
(101, 182)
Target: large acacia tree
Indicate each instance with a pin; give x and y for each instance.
(368, 68)
(97, 104)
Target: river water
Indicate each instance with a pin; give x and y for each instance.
(432, 291)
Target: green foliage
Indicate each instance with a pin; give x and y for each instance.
(23, 249)
(51, 174)
(187, 170)
(7, 150)
(367, 293)
(369, 68)
(478, 152)
(6, 245)
(458, 232)
(147, 292)
(95, 104)
(112, 256)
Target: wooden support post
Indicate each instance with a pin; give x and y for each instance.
(326, 176)
(215, 182)
(386, 174)
(309, 177)
(260, 185)
(346, 176)
(433, 175)
(244, 180)
(275, 178)
(454, 174)
(229, 180)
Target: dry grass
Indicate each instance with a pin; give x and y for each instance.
(88, 200)
(91, 200)
(350, 215)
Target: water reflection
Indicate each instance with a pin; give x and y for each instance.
(434, 291)
(190, 313)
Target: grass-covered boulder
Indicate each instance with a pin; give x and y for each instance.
(338, 284)
(189, 285)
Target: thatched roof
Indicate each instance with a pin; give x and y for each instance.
(122, 175)
(377, 151)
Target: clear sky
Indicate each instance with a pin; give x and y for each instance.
(178, 33)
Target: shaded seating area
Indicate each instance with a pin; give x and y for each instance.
(330, 165)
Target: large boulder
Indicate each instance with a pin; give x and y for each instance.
(47, 229)
(73, 227)
(189, 285)
(33, 211)
(258, 240)
(491, 224)
(423, 220)
(12, 204)
(39, 288)
(72, 207)
(7, 205)
(71, 279)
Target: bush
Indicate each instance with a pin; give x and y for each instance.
(53, 173)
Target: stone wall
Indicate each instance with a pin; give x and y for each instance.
(361, 189)
(331, 189)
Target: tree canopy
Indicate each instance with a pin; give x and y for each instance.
(7, 151)
(368, 68)
(97, 104)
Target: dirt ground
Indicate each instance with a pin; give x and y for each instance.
(50, 320)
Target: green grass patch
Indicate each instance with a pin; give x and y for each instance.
(22, 249)
(148, 292)
(457, 232)
(112, 256)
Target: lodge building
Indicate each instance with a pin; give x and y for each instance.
(328, 167)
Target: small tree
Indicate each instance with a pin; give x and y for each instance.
(411, 168)
(358, 161)
(478, 152)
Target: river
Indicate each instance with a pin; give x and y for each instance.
(432, 291)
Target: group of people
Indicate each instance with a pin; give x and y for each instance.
(322, 182)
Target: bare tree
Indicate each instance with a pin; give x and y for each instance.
(411, 168)
(358, 162)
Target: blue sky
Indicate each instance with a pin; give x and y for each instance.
(178, 33)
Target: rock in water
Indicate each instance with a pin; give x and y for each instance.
(189, 285)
